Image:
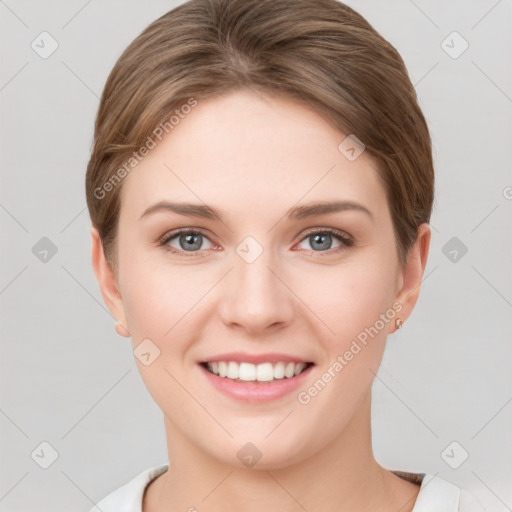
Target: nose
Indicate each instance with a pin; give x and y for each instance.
(256, 297)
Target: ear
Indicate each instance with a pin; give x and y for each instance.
(107, 282)
(411, 274)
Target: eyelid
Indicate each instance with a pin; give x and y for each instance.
(333, 231)
(346, 241)
(173, 233)
(170, 235)
(342, 236)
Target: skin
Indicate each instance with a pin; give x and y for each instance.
(253, 157)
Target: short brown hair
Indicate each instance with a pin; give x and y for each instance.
(320, 52)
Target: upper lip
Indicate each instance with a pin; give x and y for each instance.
(241, 357)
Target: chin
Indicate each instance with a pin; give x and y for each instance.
(266, 454)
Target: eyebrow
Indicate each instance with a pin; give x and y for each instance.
(294, 213)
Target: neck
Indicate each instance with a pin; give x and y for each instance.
(343, 476)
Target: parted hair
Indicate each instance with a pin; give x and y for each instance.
(321, 53)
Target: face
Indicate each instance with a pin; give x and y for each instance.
(264, 282)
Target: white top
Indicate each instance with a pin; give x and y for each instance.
(435, 494)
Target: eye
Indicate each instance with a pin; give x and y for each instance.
(321, 240)
(187, 241)
(191, 241)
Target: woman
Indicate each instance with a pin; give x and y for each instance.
(260, 188)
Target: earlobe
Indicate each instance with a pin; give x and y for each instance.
(412, 273)
(122, 330)
(107, 283)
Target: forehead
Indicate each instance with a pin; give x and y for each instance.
(247, 152)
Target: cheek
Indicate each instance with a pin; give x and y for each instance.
(161, 305)
(347, 299)
(160, 300)
(357, 305)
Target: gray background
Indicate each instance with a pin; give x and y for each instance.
(70, 381)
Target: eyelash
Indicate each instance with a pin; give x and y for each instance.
(340, 235)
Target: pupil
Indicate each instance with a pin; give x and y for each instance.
(189, 240)
(324, 237)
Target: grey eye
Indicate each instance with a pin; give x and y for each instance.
(321, 241)
(188, 241)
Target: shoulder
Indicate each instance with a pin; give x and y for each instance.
(128, 497)
(439, 494)
(469, 503)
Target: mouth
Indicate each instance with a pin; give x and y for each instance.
(266, 372)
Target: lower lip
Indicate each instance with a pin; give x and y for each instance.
(256, 392)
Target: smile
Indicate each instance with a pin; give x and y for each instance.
(248, 372)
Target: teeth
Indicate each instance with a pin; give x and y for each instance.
(289, 370)
(264, 372)
(246, 371)
(232, 370)
(223, 369)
